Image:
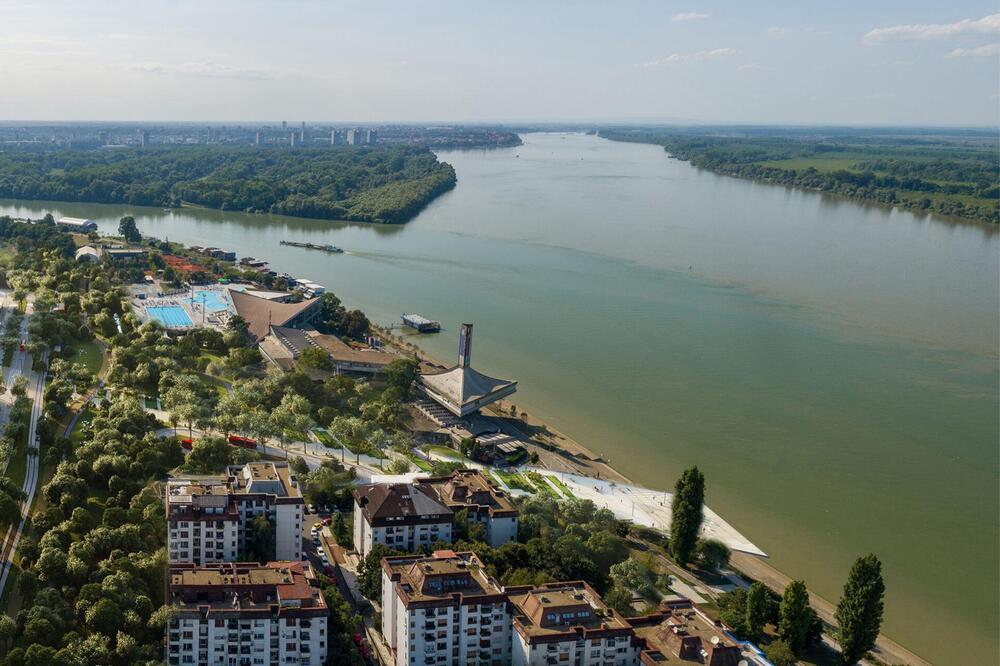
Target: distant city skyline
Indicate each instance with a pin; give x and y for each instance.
(681, 61)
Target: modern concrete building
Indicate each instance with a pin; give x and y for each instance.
(403, 516)
(245, 614)
(263, 313)
(207, 517)
(77, 224)
(469, 489)
(283, 346)
(444, 609)
(462, 390)
(568, 623)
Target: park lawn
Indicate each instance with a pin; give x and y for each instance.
(562, 486)
(539, 482)
(515, 481)
(90, 355)
(79, 430)
(420, 463)
(326, 438)
(213, 382)
(446, 452)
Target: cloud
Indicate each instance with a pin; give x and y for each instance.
(211, 70)
(749, 66)
(688, 16)
(697, 56)
(988, 25)
(777, 33)
(985, 51)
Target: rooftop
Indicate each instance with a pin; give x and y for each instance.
(267, 478)
(384, 502)
(470, 488)
(244, 586)
(419, 578)
(262, 313)
(463, 390)
(563, 610)
(679, 633)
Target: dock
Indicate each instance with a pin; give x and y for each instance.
(332, 249)
(421, 324)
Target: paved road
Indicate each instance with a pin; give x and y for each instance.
(36, 386)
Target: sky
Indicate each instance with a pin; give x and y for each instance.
(845, 62)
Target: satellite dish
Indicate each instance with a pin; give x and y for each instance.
(715, 640)
(743, 662)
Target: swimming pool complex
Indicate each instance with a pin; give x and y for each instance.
(171, 316)
(212, 300)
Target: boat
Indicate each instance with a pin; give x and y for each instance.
(332, 249)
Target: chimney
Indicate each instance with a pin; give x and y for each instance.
(465, 346)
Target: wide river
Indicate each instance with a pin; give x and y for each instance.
(832, 367)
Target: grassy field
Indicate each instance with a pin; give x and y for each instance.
(18, 466)
(540, 483)
(89, 355)
(562, 486)
(446, 452)
(515, 481)
(823, 163)
(420, 463)
(213, 382)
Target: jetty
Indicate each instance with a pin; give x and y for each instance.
(421, 324)
(332, 249)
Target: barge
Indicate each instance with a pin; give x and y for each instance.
(332, 249)
(421, 324)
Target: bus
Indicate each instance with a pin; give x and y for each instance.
(243, 442)
(187, 443)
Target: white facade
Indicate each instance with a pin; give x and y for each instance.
(499, 530)
(400, 534)
(618, 651)
(245, 641)
(287, 521)
(453, 635)
(203, 540)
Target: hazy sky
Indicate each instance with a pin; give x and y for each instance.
(802, 61)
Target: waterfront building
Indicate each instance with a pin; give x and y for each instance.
(77, 224)
(242, 614)
(444, 609)
(262, 313)
(403, 516)
(469, 489)
(283, 346)
(207, 517)
(568, 623)
(126, 255)
(462, 390)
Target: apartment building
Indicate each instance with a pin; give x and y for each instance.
(469, 489)
(246, 614)
(444, 610)
(207, 517)
(568, 623)
(403, 516)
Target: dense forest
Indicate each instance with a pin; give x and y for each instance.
(952, 174)
(377, 184)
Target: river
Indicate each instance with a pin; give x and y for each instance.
(832, 367)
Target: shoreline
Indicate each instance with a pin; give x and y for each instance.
(750, 566)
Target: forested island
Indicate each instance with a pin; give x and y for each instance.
(388, 184)
(947, 172)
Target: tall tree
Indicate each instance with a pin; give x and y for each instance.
(128, 229)
(756, 610)
(796, 618)
(686, 515)
(859, 612)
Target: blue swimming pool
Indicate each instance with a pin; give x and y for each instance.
(170, 316)
(212, 300)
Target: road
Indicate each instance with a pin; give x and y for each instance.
(36, 386)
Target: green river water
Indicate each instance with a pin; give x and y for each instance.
(832, 367)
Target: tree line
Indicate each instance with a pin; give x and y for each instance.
(950, 176)
(379, 184)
